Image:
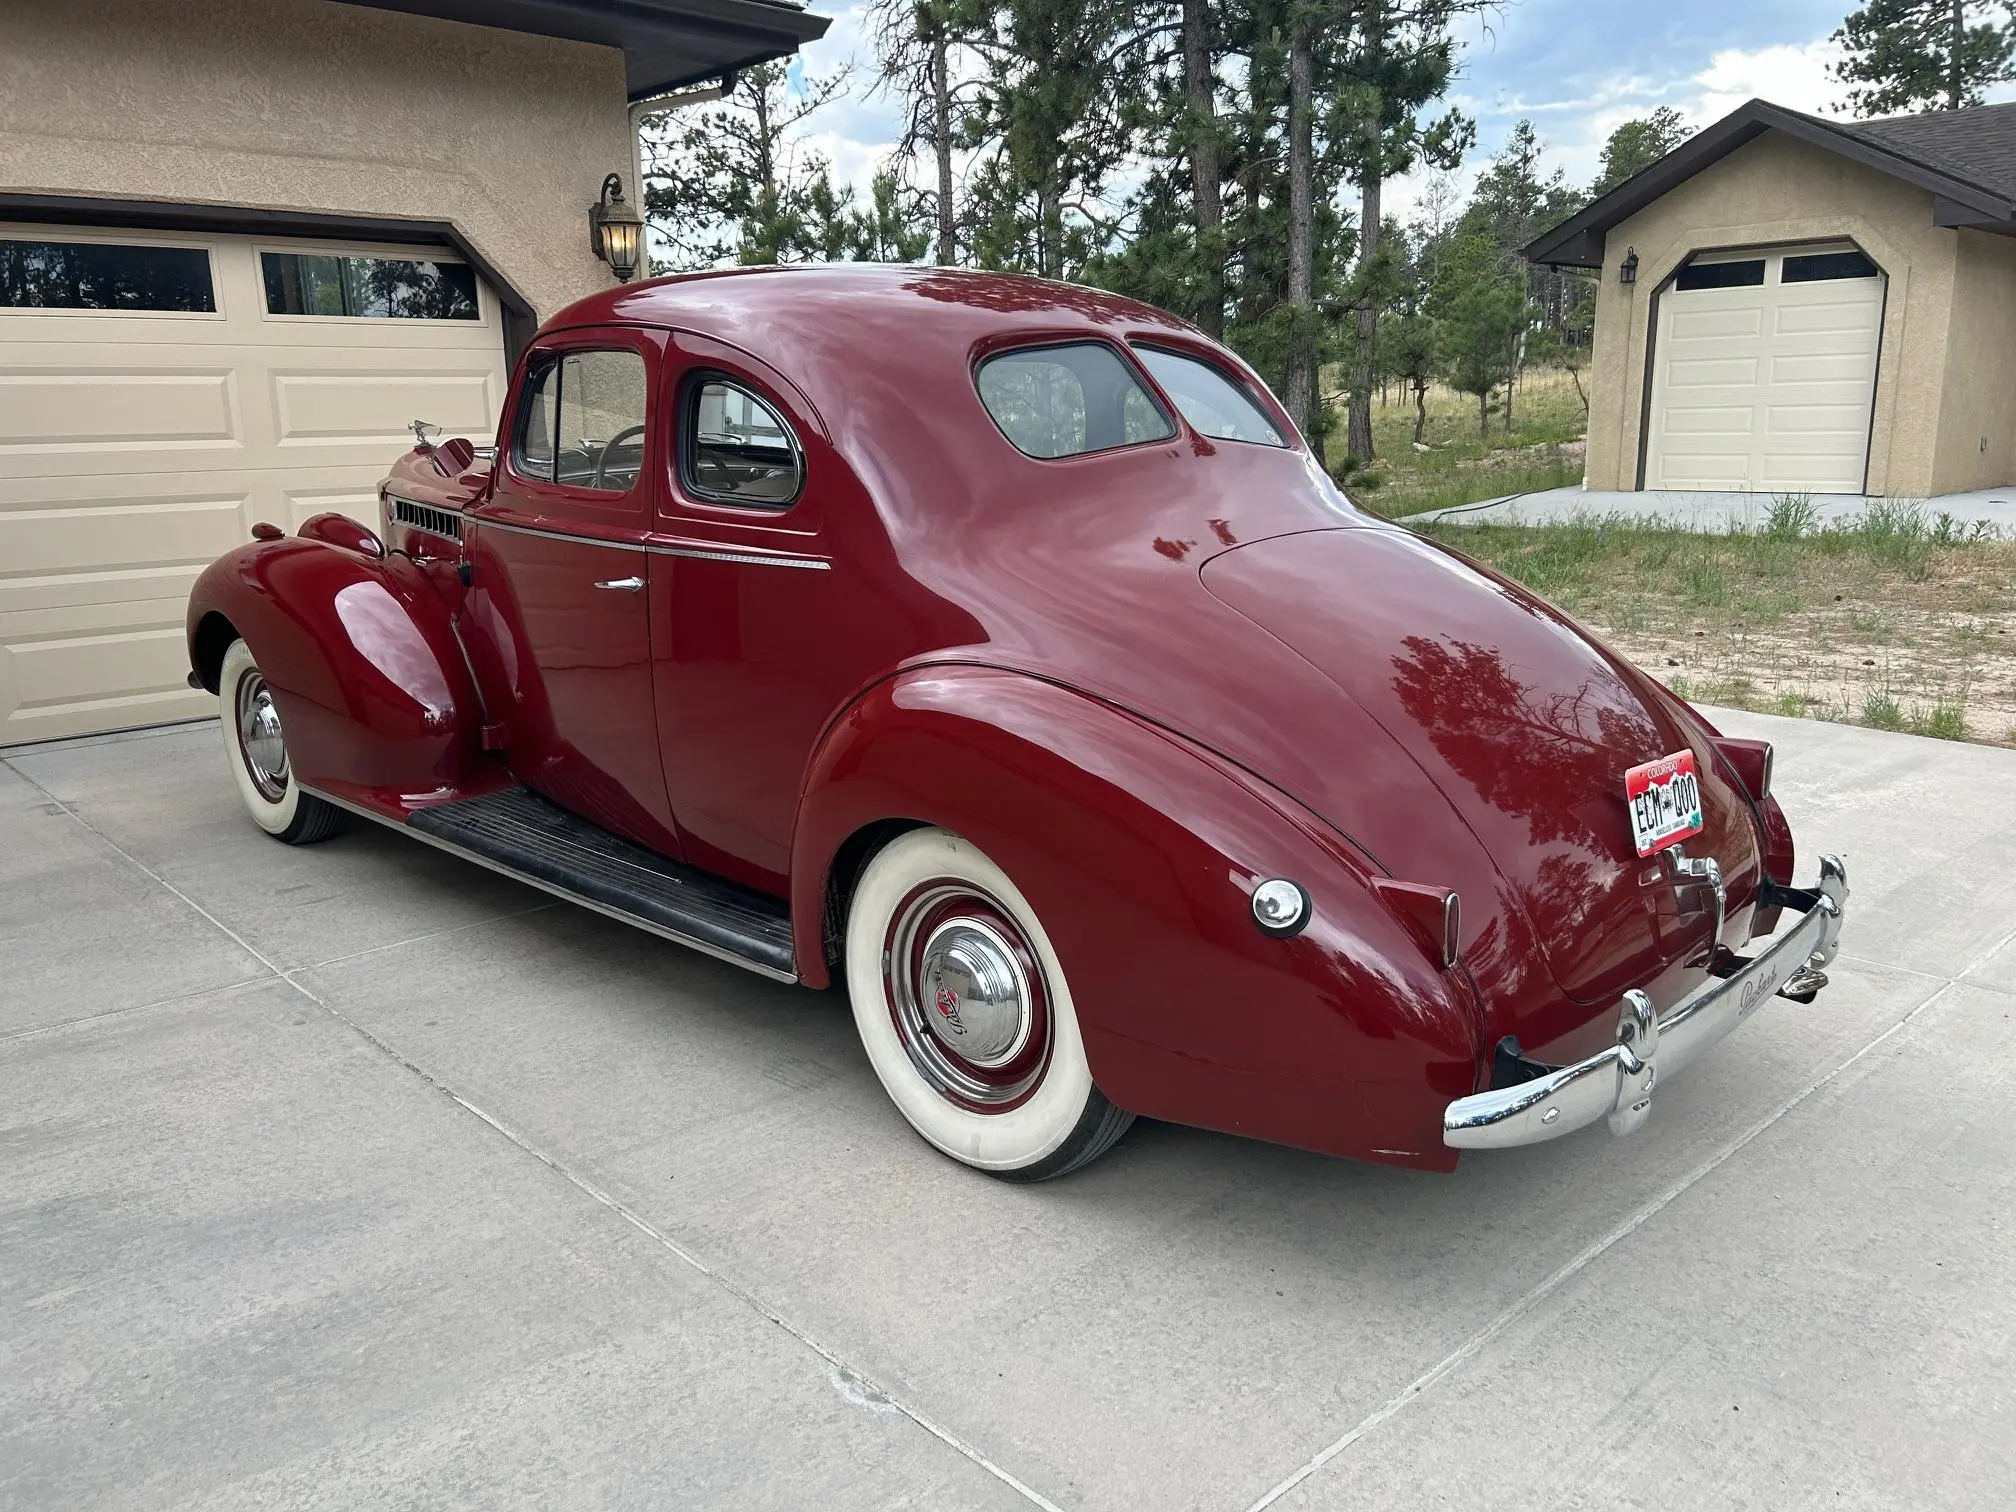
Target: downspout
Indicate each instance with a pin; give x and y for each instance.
(672, 99)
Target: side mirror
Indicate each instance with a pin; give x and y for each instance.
(454, 455)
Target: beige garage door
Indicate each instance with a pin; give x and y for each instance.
(1764, 372)
(158, 394)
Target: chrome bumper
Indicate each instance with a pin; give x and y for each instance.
(1618, 1083)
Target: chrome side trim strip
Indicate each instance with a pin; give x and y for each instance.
(700, 553)
(790, 978)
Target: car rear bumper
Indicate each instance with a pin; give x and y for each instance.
(1618, 1083)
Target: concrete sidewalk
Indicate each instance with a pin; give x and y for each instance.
(358, 1176)
(1715, 513)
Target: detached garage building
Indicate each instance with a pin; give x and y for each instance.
(1793, 304)
(243, 243)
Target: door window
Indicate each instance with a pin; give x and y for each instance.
(738, 449)
(581, 424)
(388, 288)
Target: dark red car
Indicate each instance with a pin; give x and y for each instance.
(995, 647)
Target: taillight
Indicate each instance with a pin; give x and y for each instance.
(1435, 913)
(1751, 760)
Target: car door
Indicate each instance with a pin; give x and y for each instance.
(756, 634)
(559, 577)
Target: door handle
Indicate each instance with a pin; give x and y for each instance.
(626, 585)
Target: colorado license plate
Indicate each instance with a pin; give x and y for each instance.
(1664, 797)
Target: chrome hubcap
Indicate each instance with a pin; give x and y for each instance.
(259, 740)
(967, 997)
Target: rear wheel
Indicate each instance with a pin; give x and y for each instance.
(257, 750)
(965, 1014)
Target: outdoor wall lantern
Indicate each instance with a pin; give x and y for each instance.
(616, 230)
(1627, 270)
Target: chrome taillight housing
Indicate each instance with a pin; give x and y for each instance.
(1751, 761)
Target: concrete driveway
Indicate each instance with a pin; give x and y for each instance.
(356, 1176)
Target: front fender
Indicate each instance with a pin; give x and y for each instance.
(1139, 853)
(362, 660)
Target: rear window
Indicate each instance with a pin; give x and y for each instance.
(1063, 401)
(1214, 405)
(42, 275)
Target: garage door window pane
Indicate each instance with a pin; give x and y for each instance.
(1064, 400)
(1721, 275)
(601, 420)
(385, 288)
(38, 275)
(1814, 267)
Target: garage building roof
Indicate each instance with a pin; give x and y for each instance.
(1966, 159)
(665, 43)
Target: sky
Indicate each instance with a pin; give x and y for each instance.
(1576, 68)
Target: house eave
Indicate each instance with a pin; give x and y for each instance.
(1578, 242)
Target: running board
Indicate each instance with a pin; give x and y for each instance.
(527, 837)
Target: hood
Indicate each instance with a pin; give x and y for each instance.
(1520, 722)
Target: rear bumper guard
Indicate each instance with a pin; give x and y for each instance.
(1617, 1084)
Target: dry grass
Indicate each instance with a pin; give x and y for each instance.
(1899, 621)
(1542, 450)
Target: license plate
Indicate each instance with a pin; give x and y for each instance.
(1664, 797)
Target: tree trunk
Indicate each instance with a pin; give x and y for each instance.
(1484, 413)
(1359, 430)
(1956, 40)
(941, 140)
(1420, 411)
(1300, 389)
(1050, 233)
(1204, 168)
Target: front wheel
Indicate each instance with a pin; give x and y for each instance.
(965, 1014)
(257, 751)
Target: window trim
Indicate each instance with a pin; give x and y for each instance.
(1149, 389)
(101, 236)
(535, 365)
(1261, 401)
(390, 253)
(687, 440)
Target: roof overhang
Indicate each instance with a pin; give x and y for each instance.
(1578, 241)
(665, 43)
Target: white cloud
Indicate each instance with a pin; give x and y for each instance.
(1793, 75)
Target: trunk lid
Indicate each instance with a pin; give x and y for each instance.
(1520, 721)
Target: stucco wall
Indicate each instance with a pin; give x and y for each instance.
(1778, 189)
(1979, 399)
(310, 105)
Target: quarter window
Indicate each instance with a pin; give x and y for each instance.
(582, 421)
(39, 275)
(1062, 401)
(393, 288)
(1214, 405)
(738, 449)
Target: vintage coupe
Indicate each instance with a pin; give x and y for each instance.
(995, 647)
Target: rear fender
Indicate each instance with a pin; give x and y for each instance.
(1139, 853)
(363, 662)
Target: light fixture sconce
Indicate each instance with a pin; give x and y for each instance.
(1627, 270)
(616, 230)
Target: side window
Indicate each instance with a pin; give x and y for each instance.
(582, 422)
(1062, 401)
(1214, 405)
(737, 449)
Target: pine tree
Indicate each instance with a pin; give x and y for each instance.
(1905, 55)
(1637, 145)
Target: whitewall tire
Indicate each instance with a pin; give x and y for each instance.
(256, 749)
(965, 1013)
